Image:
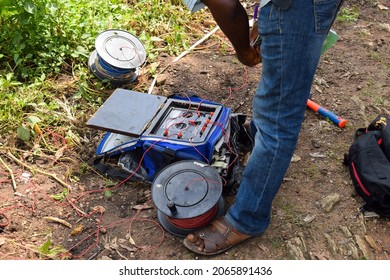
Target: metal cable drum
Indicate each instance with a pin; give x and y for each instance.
(187, 195)
(117, 57)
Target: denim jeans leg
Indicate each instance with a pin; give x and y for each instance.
(291, 49)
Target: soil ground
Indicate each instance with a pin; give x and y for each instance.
(315, 214)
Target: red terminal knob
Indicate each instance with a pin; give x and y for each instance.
(179, 135)
(165, 132)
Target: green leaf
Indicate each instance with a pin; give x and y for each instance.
(30, 8)
(56, 250)
(107, 193)
(156, 39)
(60, 196)
(44, 249)
(85, 36)
(5, 3)
(52, 8)
(23, 133)
(33, 120)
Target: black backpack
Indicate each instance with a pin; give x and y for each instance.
(368, 161)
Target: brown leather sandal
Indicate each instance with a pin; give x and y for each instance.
(217, 237)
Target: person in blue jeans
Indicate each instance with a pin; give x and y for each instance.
(293, 33)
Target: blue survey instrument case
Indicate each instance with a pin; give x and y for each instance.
(150, 131)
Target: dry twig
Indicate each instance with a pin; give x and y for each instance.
(53, 176)
(58, 220)
(11, 173)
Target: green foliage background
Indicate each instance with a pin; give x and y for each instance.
(41, 36)
(43, 39)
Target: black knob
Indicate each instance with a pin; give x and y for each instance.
(171, 205)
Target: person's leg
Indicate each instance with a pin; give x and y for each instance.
(291, 49)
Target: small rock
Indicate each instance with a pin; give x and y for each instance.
(317, 155)
(142, 200)
(309, 218)
(263, 248)
(382, 7)
(294, 251)
(328, 202)
(161, 79)
(372, 243)
(354, 252)
(208, 23)
(105, 258)
(295, 158)
(331, 244)
(346, 231)
(316, 144)
(385, 26)
(2, 241)
(363, 246)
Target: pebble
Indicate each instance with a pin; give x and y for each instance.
(363, 246)
(309, 218)
(330, 201)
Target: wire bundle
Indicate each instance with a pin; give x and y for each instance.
(113, 73)
(116, 75)
(196, 222)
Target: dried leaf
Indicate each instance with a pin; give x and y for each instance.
(99, 208)
(60, 152)
(128, 248)
(131, 240)
(77, 230)
(317, 88)
(382, 7)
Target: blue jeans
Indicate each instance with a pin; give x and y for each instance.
(291, 49)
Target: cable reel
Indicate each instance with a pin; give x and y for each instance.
(188, 196)
(117, 57)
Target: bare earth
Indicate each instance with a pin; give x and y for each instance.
(315, 215)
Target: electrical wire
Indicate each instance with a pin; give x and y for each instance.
(114, 73)
(195, 222)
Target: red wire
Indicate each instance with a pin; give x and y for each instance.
(239, 88)
(199, 221)
(196, 222)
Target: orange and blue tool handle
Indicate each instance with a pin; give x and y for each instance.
(340, 122)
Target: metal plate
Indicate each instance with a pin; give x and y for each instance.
(120, 49)
(126, 112)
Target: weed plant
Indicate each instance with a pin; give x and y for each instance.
(42, 41)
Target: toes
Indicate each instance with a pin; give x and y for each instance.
(192, 237)
(197, 241)
(200, 244)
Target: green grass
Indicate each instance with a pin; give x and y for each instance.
(347, 14)
(42, 41)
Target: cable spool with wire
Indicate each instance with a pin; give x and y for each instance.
(187, 195)
(117, 57)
